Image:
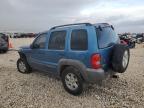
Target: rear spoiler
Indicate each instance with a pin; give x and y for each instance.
(104, 26)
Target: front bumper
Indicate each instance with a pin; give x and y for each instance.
(94, 75)
(4, 46)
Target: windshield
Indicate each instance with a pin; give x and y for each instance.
(106, 37)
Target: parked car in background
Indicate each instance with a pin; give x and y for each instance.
(31, 35)
(4, 43)
(27, 35)
(128, 40)
(23, 35)
(16, 35)
(140, 38)
(78, 53)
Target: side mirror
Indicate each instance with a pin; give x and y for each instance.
(31, 46)
(35, 46)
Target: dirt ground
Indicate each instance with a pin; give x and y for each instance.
(41, 90)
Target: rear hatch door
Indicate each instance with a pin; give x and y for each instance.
(107, 38)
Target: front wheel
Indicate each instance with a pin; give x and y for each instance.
(23, 66)
(72, 81)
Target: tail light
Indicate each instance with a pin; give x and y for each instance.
(96, 61)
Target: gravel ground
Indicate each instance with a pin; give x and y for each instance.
(41, 90)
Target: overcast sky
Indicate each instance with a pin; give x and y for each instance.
(40, 15)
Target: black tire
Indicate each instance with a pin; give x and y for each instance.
(75, 71)
(118, 55)
(5, 50)
(27, 67)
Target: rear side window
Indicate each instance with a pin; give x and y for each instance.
(57, 40)
(79, 40)
(106, 37)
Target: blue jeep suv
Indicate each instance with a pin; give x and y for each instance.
(78, 53)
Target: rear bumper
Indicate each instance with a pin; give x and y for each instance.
(94, 75)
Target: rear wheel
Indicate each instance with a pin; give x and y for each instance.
(72, 81)
(23, 66)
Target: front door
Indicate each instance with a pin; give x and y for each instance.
(37, 56)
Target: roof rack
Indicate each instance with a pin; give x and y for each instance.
(87, 24)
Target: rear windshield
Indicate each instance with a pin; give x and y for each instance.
(106, 37)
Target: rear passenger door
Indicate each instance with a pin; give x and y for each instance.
(56, 49)
(78, 45)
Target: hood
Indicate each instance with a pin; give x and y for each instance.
(25, 47)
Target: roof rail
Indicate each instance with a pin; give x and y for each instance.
(87, 24)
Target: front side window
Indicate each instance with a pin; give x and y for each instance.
(40, 42)
(79, 40)
(57, 40)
